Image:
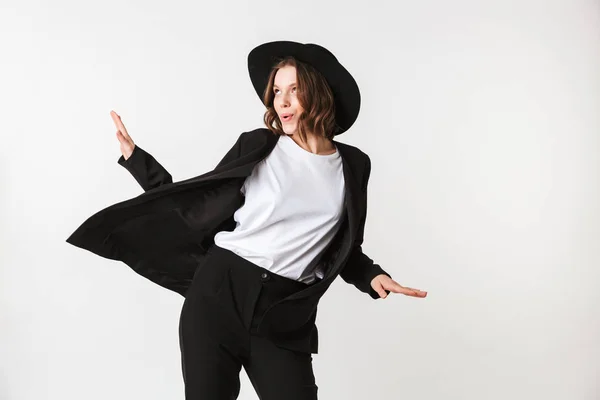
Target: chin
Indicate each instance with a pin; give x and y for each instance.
(289, 130)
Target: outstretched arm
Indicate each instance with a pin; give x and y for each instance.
(361, 271)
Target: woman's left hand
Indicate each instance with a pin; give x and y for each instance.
(382, 282)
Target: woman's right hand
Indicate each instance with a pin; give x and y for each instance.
(125, 140)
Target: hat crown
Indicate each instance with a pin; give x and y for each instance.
(320, 49)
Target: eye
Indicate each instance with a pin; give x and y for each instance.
(275, 90)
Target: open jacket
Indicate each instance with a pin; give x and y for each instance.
(163, 233)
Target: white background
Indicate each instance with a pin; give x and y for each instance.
(482, 123)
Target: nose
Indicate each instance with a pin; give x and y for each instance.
(285, 100)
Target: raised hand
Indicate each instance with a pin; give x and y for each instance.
(381, 283)
(125, 140)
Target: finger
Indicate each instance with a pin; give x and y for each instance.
(119, 124)
(397, 288)
(415, 292)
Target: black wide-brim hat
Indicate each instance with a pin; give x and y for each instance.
(345, 90)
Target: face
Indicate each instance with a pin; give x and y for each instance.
(285, 100)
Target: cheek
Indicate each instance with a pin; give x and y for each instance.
(297, 107)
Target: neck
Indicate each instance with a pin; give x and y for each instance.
(315, 144)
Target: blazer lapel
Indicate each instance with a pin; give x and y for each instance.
(352, 194)
(353, 211)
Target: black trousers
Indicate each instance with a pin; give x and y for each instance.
(218, 335)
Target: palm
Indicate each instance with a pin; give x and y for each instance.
(125, 141)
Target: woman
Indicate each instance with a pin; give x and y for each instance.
(300, 224)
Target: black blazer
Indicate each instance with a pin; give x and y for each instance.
(163, 233)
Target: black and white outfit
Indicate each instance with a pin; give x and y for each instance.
(252, 245)
(294, 201)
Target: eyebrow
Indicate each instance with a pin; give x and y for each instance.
(293, 83)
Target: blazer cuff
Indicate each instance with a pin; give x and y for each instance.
(375, 271)
(132, 158)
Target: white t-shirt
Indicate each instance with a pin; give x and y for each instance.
(294, 200)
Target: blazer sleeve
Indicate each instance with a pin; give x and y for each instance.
(145, 169)
(360, 269)
(149, 173)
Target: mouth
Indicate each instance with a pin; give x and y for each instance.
(286, 117)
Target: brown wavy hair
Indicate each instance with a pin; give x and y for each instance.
(314, 95)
